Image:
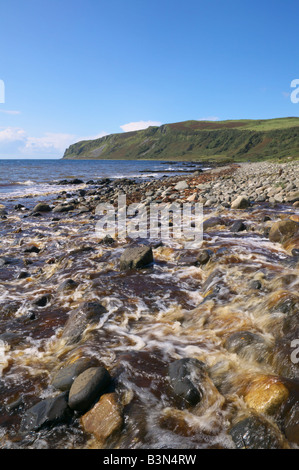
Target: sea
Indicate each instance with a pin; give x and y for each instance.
(19, 178)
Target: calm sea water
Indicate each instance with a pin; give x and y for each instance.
(27, 177)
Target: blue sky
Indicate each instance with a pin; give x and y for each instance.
(79, 69)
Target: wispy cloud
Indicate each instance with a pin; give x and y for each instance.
(137, 126)
(209, 118)
(9, 111)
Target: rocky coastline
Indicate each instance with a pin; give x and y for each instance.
(96, 332)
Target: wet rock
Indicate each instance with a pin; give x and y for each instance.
(238, 226)
(204, 257)
(104, 419)
(42, 207)
(75, 181)
(256, 433)
(32, 249)
(78, 320)
(107, 240)
(65, 377)
(64, 208)
(266, 394)
(12, 338)
(46, 413)
(255, 284)
(136, 257)
(185, 376)
(67, 285)
(23, 275)
(283, 230)
(240, 341)
(291, 425)
(241, 202)
(42, 301)
(88, 387)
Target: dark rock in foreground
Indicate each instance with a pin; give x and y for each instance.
(88, 387)
(255, 433)
(182, 373)
(78, 320)
(48, 412)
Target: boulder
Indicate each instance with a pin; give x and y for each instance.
(136, 257)
(67, 285)
(185, 377)
(241, 202)
(245, 342)
(283, 230)
(88, 387)
(88, 312)
(64, 208)
(104, 419)
(266, 394)
(65, 377)
(181, 186)
(238, 226)
(255, 432)
(42, 207)
(46, 413)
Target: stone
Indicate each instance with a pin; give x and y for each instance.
(136, 257)
(255, 284)
(283, 230)
(88, 312)
(42, 301)
(104, 419)
(185, 377)
(46, 413)
(266, 394)
(238, 341)
(42, 207)
(291, 424)
(241, 202)
(88, 387)
(238, 226)
(181, 186)
(65, 377)
(68, 284)
(32, 249)
(204, 257)
(256, 433)
(64, 208)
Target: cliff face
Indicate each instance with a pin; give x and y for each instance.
(197, 140)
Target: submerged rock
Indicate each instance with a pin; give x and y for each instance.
(182, 374)
(78, 320)
(256, 433)
(266, 394)
(283, 230)
(48, 412)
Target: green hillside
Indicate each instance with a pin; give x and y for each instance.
(198, 140)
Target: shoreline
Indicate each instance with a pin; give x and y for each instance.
(231, 305)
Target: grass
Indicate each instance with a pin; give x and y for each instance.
(224, 141)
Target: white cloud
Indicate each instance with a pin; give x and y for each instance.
(50, 144)
(209, 118)
(11, 134)
(9, 111)
(137, 126)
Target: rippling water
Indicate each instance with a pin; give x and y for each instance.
(25, 177)
(156, 315)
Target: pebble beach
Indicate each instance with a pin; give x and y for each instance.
(108, 343)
